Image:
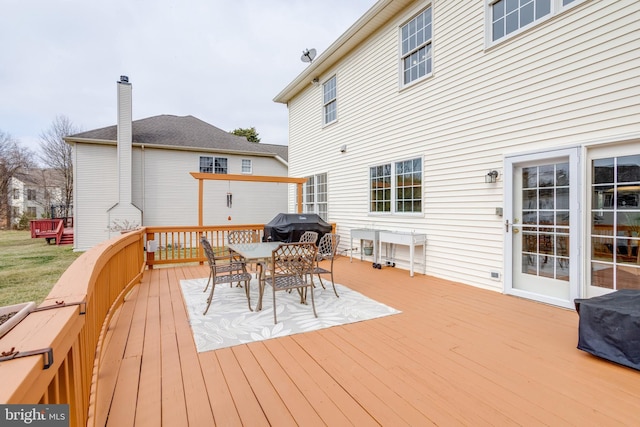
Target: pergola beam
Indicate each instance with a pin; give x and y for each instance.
(201, 177)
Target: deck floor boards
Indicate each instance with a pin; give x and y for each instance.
(456, 355)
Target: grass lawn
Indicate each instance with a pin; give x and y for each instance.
(30, 267)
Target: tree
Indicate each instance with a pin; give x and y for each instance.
(13, 157)
(250, 134)
(58, 155)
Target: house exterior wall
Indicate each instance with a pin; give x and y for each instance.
(569, 81)
(171, 193)
(19, 202)
(166, 193)
(95, 191)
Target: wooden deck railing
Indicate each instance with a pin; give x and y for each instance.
(173, 245)
(72, 322)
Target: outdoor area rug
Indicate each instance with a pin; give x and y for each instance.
(229, 321)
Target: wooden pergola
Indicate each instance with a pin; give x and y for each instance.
(201, 177)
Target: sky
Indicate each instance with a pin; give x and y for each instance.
(222, 61)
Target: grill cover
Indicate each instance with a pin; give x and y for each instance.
(609, 326)
(286, 227)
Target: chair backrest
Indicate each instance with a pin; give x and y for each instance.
(208, 251)
(243, 236)
(309, 237)
(328, 246)
(293, 259)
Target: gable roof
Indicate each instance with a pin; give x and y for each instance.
(379, 14)
(181, 132)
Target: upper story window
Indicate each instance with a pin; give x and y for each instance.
(396, 187)
(31, 194)
(330, 104)
(16, 193)
(416, 47)
(213, 164)
(246, 166)
(509, 16)
(220, 165)
(206, 164)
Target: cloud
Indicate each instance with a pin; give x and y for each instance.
(221, 61)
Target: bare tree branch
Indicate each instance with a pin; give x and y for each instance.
(58, 155)
(13, 157)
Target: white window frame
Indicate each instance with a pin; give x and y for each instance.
(209, 164)
(393, 188)
(408, 50)
(206, 164)
(220, 165)
(316, 195)
(595, 153)
(556, 7)
(330, 100)
(246, 166)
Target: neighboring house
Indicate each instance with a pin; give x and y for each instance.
(33, 193)
(409, 113)
(137, 173)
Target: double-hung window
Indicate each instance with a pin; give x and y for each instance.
(396, 187)
(246, 166)
(220, 165)
(315, 195)
(416, 47)
(31, 194)
(206, 164)
(509, 16)
(213, 164)
(329, 100)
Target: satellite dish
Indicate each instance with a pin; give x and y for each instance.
(308, 55)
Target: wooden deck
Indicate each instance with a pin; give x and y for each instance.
(457, 355)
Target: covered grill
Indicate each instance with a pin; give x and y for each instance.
(286, 227)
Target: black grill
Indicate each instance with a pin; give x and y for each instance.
(288, 228)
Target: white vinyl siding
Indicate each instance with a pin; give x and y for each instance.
(574, 79)
(94, 194)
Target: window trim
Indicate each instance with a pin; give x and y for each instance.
(213, 160)
(226, 165)
(316, 194)
(557, 8)
(332, 101)
(200, 167)
(393, 200)
(242, 163)
(402, 56)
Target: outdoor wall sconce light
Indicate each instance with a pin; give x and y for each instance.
(343, 149)
(491, 177)
(315, 81)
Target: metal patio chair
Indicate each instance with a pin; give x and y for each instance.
(291, 264)
(309, 237)
(327, 249)
(230, 271)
